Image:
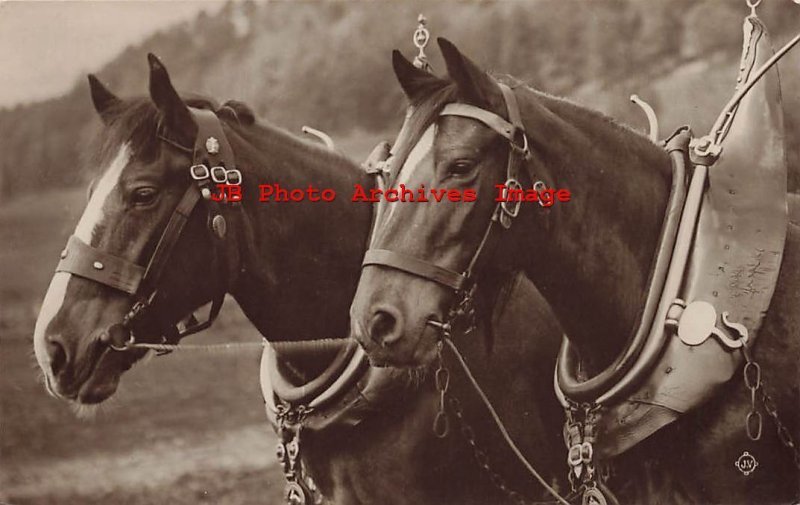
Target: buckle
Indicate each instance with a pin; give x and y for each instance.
(587, 452)
(199, 172)
(219, 175)
(234, 177)
(574, 456)
(522, 148)
(539, 186)
(513, 209)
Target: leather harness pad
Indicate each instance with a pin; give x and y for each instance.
(734, 262)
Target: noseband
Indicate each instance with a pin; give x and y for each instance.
(505, 211)
(141, 282)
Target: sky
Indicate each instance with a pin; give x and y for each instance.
(45, 46)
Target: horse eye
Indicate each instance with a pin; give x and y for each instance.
(461, 167)
(144, 196)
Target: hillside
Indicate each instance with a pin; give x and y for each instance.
(327, 64)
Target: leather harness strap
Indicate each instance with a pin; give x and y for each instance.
(513, 131)
(490, 119)
(414, 266)
(81, 259)
(179, 218)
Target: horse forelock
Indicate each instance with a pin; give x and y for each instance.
(137, 122)
(425, 112)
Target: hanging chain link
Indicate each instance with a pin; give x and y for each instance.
(441, 428)
(752, 380)
(754, 420)
(480, 455)
(441, 423)
(482, 458)
(783, 432)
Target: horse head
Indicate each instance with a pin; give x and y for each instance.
(430, 248)
(122, 257)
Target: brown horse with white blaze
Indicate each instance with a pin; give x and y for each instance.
(591, 258)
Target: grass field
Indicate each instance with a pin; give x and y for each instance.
(185, 428)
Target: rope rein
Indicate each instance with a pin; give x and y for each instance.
(320, 344)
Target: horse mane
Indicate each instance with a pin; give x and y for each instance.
(135, 121)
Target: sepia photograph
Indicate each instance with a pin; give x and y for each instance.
(423, 252)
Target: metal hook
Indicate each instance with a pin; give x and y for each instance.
(324, 137)
(651, 116)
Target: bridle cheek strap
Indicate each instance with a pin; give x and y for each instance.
(83, 260)
(414, 266)
(513, 131)
(169, 237)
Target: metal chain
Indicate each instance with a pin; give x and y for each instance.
(501, 428)
(441, 423)
(783, 432)
(752, 380)
(482, 458)
(754, 420)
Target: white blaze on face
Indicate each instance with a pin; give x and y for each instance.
(93, 214)
(91, 218)
(416, 158)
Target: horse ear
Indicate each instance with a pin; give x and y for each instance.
(475, 84)
(414, 81)
(177, 117)
(103, 99)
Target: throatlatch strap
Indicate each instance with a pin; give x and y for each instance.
(414, 266)
(85, 261)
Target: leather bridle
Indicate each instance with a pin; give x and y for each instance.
(502, 216)
(142, 282)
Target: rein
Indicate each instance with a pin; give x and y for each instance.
(499, 423)
(463, 283)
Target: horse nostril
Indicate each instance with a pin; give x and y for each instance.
(384, 327)
(58, 355)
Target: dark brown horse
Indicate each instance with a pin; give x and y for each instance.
(590, 258)
(293, 268)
